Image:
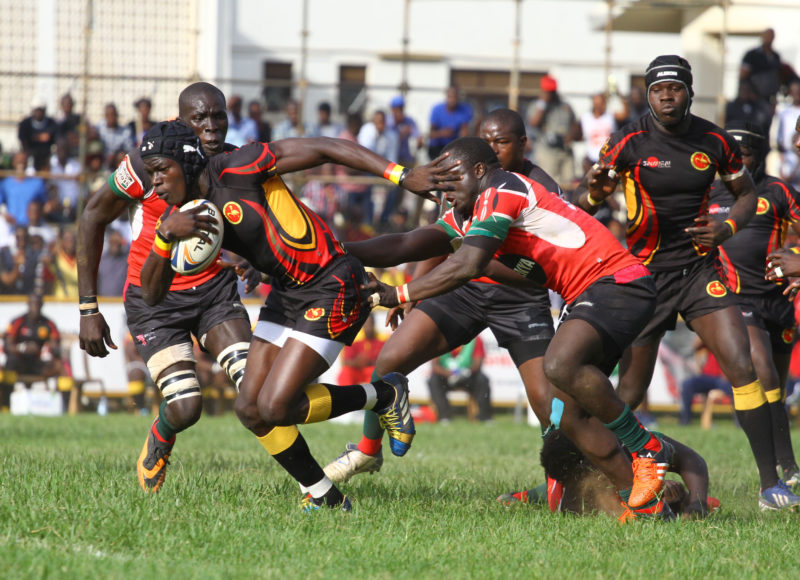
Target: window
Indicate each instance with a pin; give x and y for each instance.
(352, 88)
(277, 85)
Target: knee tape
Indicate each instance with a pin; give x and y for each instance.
(233, 360)
(164, 359)
(179, 385)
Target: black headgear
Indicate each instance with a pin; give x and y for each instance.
(176, 140)
(751, 136)
(666, 68)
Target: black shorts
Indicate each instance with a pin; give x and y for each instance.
(691, 292)
(773, 313)
(182, 313)
(618, 311)
(519, 319)
(330, 306)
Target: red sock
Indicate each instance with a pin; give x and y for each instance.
(369, 446)
(653, 444)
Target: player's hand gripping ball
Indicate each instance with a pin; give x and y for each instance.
(194, 254)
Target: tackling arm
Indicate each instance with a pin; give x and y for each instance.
(394, 249)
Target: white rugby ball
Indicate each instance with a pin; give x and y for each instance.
(193, 255)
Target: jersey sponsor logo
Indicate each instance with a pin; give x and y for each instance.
(788, 335)
(716, 289)
(123, 176)
(314, 314)
(42, 332)
(233, 212)
(656, 163)
(762, 207)
(715, 209)
(144, 338)
(700, 161)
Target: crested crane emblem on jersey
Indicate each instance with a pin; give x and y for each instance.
(700, 161)
(716, 289)
(314, 314)
(787, 335)
(762, 207)
(42, 332)
(233, 212)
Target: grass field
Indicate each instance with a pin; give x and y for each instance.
(70, 507)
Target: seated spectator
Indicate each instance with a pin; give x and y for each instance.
(33, 349)
(37, 134)
(115, 137)
(64, 171)
(142, 122)
(461, 369)
(241, 130)
(22, 264)
(358, 360)
(67, 119)
(263, 128)
(709, 381)
(290, 126)
(37, 226)
(64, 265)
(113, 266)
(19, 190)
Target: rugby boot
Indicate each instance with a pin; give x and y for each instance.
(396, 419)
(351, 462)
(151, 468)
(649, 469)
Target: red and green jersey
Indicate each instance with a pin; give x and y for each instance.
(131, 182)
(744, 255)
(544, 238)
(666, 179)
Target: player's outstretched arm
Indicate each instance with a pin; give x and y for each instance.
(102, 208)
(393, 249)
(468, 262)
(693, 470)
(304, 153)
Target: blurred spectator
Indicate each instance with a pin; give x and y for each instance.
(379, 138)
(18, 190)
(5, 159)
(762, 65)
(398, 222)
(241, 130)
(140, 386)
(358, 360)
(115, 137)
(787, 121)
(290, 126)
(407, 133)
(555, 128)
(748, 107)
(37, 134)
(142, 122)
(263, 128)
(32, 345)
(322, 196)
(636, 105)
(37, 226)
(113, 266)
(64, 265)
(596, 127)
(64, 171)
(709, 381)
(355, 227)
(461, 369)
(22, 268)
(67, 119)
(353, 194)
(325, 127)
(449, 120)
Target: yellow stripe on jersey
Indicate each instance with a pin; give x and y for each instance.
(293, 223)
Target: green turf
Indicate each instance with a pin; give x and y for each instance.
(70, 507)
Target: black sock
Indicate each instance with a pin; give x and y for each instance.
(757, 425)
(781, 436)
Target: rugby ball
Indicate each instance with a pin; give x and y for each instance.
(193, 255)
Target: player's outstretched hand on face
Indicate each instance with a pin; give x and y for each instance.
(782, 264)
(602, 180)
(433, 176)
(709, 232)
(187, 224)
(94, 335)
(378, 293)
